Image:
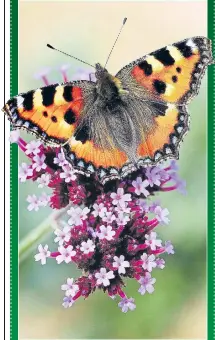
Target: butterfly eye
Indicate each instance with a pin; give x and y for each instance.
(45, 114)
(178, 69)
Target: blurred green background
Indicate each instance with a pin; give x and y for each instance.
(177, 308)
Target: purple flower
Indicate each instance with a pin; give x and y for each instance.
(127, 304)
(140, 186)
(68, 301)
(146, 283)
(169, 248)
(161, 215)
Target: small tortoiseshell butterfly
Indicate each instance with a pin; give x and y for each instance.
(118, 123)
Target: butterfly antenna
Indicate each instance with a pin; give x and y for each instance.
(53, 48)
(123, 23)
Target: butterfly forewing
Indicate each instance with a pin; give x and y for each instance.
(52, 112)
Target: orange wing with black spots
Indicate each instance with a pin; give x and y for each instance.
(51, 112)
(165, 80)
(171, 74)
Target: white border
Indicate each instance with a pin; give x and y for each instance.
(5, 169)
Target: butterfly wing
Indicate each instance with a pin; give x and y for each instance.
(165, 81)
(51, 112)
(171, 74)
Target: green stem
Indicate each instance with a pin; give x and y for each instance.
(32, 239)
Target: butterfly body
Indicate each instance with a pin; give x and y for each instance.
(111, 127)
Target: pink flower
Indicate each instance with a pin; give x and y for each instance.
(70, 288)
(106, 233)
(151, 240)
(68, 173)
(25, 171)
(104, 277)
(39, 163)
(99, 210)
(109, 217)
(62, 235)
(34, 202)
(33, 147)
(119, 197)
(120, 264)
(60, 159)
(43, 254)
(87, 247)
(65, 254)
(43, 180)
(148, 262)
(77, 215)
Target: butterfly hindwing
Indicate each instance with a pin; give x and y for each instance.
(163, 142)
(171, 74)
(51, 112)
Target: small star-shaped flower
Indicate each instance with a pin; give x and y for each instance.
(140, 186)
(151, 240)
(39, 163)
(127, 304)
(65, 254)
(104, 277)
(146, 284)
(33, 147)
(70, 288)
(43, 254)
(120, 264)
(25, 171)
(68, 173)
(43, 180)
(148, 262)
(87, 247)
(119, 197)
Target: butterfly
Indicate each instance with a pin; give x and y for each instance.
(113, 126)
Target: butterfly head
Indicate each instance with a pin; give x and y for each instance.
(101, 72)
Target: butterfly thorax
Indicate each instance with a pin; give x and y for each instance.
(109, 88)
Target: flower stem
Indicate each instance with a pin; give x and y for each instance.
(31, 240)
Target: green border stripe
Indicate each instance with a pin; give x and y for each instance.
(13, 178)
(211, 182)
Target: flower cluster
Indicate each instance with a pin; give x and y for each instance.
(110, 230)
